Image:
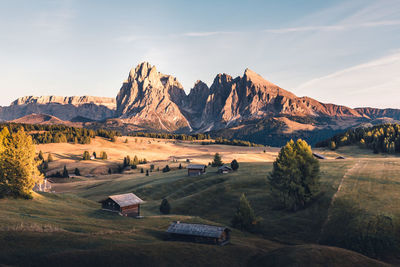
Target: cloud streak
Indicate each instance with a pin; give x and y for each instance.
(340, 27)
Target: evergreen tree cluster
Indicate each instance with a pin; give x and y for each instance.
(381, 138)
(133, 162)
(244, 218)
(44, 134)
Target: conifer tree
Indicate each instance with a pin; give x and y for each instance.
(109, 171)
(18, 167)
(147, 172)
(86, 155)
(77, 172)
(244, 218)
(217, 162)
(40, 155)
(50, 158)
(65, 172)
(295, 176)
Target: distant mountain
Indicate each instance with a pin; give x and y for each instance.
(65, 108)
(246, 107)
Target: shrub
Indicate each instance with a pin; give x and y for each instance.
(165, 207)
(234, 165)
(166, 169)
(86, 155)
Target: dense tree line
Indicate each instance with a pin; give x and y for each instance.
(44, 134)
(381, 138)
(196, 137)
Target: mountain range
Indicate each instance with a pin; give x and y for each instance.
(246, 107)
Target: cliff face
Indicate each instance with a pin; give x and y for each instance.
(65, 108)
(151, 98)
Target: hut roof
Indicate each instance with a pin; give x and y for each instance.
(124, 200)
(196, 229)
(318, 155)
(225, 167)
(196, 166)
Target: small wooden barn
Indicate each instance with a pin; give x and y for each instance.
(224, 169)
(196, 169)
(125, 204)
(199, 233)
(318, 156)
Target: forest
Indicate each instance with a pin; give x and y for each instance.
(384, 138)
(45, 134)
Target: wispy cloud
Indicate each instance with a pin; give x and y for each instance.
(375, 83)
(339, 27)
(205, 34)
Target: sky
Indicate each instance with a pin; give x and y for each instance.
(344, 52)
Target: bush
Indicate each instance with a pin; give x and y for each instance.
(234, 165)
(165, 208)
(166, 169)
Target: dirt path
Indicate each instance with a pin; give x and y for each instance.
(350, 171)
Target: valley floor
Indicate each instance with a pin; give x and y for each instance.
(68, 227)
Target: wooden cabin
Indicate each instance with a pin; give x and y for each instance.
(199, 233)
(224, 169)
(196, 169)
(318, 156)
(125, 204)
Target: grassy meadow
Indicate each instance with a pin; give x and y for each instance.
(68, 227)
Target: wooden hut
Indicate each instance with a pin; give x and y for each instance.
(196, 169)
(199, 233)
(125, 204)
(224, 169)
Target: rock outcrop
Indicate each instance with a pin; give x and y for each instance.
(152, 99)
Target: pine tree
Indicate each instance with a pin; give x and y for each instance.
(65, 172)
(126, 141)
(180, 166)
(86, 155)
(244, 218)
(77, 172)
(103, 155)
(234, 165)
(94, 154)
(166, 169)
(109, 171)
(40, 156)
(147, 172)
(50, 158)
(141, 170)
(217, 162)
(165, 207)
(18, 167)
(295, 176)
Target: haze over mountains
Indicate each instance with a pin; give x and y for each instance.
(247, 107)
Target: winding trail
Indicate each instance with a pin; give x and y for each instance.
(350, 171)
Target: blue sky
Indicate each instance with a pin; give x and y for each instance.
(344, 52)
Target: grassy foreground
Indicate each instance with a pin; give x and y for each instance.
(69, 228)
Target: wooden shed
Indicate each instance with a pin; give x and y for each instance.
(199, 233)
(224, 169)
(196, 169)
(125, 204)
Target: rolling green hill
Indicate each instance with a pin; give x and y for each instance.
(67, 229)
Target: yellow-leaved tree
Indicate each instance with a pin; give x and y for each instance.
(18, 167)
